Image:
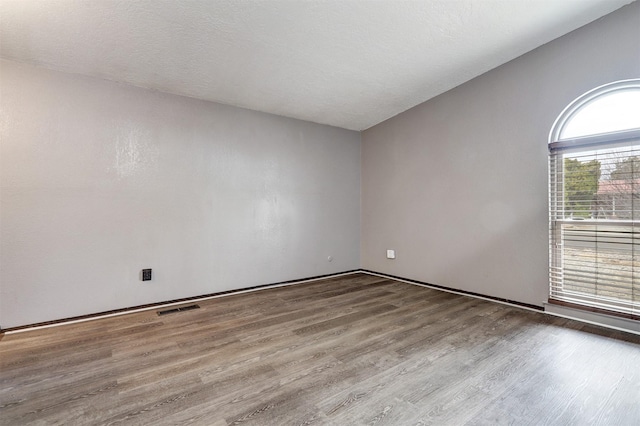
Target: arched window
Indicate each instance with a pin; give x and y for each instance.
(594, 201)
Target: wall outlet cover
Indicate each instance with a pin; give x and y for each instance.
(391, 254)
(146, 275)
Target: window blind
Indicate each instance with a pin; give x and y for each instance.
(595, 223)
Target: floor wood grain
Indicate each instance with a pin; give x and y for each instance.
(352, 350)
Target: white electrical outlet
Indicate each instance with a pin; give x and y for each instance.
(391, 254)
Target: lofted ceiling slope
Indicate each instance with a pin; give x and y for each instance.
(346, 63)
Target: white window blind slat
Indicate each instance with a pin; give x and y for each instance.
(594, 202)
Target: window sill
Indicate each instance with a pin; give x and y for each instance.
(623, 322)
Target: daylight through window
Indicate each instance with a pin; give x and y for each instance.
(594, 201)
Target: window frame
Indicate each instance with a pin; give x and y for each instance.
(557, 148)
(582, 101)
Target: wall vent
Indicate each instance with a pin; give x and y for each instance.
(180, 309)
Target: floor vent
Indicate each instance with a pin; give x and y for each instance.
(180, 309)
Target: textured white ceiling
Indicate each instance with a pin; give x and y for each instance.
(346, 63)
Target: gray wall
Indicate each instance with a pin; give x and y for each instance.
(99, 180)
(458, 185)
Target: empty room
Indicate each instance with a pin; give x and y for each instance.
(340, 212)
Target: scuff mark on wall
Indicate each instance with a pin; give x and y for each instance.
(135, 151)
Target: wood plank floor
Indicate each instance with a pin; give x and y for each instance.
(343, 351)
